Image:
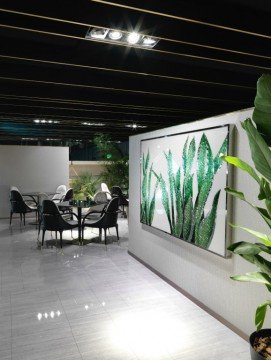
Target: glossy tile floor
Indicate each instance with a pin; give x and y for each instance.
(87, 303)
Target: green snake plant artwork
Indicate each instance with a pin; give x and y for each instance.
(185, 185)
(147, 199)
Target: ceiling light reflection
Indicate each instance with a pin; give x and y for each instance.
(49, 315)
(151, 333)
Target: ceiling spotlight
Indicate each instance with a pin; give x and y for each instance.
(92, 124)
(149, 41)
(97, 33)
(135, 126)
(37, 121)
(115, 35)
(133, 38)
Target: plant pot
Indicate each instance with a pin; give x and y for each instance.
(261, 333)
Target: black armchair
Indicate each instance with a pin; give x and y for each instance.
(123, 201)
(19, 206)
(108, 219)
(67, 197)
(52, 220)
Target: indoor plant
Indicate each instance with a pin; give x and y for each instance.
(84, 186)
(257, 253)
(116, 164)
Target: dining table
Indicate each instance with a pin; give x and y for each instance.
(78, 205)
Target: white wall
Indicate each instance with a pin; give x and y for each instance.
(203, 275)
(31, 168)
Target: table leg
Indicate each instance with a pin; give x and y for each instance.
(79, 212)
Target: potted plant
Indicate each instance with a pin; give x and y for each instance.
(84, 186)
(258, 252)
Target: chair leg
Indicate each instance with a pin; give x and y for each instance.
(43, 234)
(100, 234)
(10, 217)
(105, 240)
(117, 231)
(24, 218)
(60, 232)
(56, 234)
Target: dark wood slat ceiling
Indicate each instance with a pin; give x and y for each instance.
(206, 63)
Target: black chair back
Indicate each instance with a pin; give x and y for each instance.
(116, 191)
(17, 202)
(51, 217)
(69, 195)
(110, 217)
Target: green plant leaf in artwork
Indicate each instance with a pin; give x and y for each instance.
(260, 314)
(242, 165)
(260, 152)
(165, 200)
(147, 199)
(171, 180)
(179, 205)
(262, 111)
(222, 151)
(205, 230)
(205, 161)
(188, 216)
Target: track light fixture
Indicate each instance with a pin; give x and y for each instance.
(121, 37)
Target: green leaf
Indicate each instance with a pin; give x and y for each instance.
(242, 165)
(235, 193)
(218, 159)
(187, 219)
(205, 231)
(184, 156)
(257, 277)
(202, 150)
(260, 152)
(152, 204)
(262, 264)
(260, 314)
(244, 248)
(171, 181)
(263, 237)
(179, 205)
(165, 201)
(265, 191)
(262, 111)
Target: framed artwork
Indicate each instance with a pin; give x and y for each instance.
(182, 186)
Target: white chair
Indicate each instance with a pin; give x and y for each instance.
(60, 193)
(105, 189)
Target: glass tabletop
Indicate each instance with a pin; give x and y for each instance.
(77, 203)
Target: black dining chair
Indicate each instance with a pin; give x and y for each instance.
(19, 206)
(123, 200)
(67, 197)
(52, 220)
(108, 220)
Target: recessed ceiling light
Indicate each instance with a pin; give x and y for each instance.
(97, 33)
(43, 121)
(92, 124)
(133, 38)
(135, 126)
(30, 139)
(115, 35)
(51, 139)
(149, 41)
